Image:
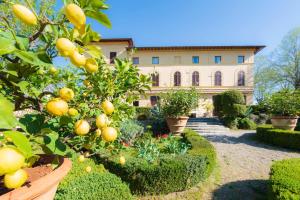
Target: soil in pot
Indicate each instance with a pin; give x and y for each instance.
(41, 168)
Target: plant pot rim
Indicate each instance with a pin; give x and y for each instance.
(180, 117)
(284, 117)
(35, 188)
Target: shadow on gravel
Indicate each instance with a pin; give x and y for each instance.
(242, 190)
(246, 138)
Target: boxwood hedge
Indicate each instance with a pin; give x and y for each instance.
(99, 184)
(279, 137)
(170, 173)
(285, 180)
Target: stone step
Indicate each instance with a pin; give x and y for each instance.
(209, 132)
(204, 124)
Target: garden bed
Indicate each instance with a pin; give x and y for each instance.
(168, 173)
(278, 137)
(97, 184)
(285, 180)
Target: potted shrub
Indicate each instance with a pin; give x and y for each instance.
(176, 107)
(77, 109)
(284, 106)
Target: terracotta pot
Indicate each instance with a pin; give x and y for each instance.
(284, 122)
(177, 124)
(43, 188)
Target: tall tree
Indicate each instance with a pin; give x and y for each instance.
(280, 69)
(286, 60)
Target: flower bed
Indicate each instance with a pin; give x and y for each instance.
(285, 180)
(170, 173)
(278, 137)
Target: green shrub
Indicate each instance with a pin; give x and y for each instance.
(279, 137)
(284, 103)
(231, 97)
(179, 102)
(246, 123)
(217, 102)
(231, 122)
(143, 113)
(230, 106)
(99, 184)
(236, 110)
(169, 173)
(130, 129)
(285, 180)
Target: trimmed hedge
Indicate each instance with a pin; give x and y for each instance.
(279, 137)
(99, 184)
(285, 180)
(170, 173)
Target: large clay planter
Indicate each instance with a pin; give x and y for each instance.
(43, 188)
(284, 122)
(177, 125)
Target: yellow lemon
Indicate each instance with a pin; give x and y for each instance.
(88, 169)
(65, 46)
(77, 59)
(87, 83)
(15, 179)
(81, 158)
(98, 133)
(122, 160)
(53, 70)
(82, 127)
(57, 107)
(109, 134)
(101, 121)
(107, 107)
(91, 65)
(24, 14)
(75, 15)
(85, 94)
(10, 160)
(66, 94)
(72, 112)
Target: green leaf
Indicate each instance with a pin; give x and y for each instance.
(31, 58)
(7, 118)
(33, 122)
(21, 142)
(23, 86)
(99, 16)
(53, 145)
(7, 46)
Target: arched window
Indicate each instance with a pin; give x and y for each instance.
(177, 79)
(241, 78)
(155, 79)
(195, 78)
(218, 78)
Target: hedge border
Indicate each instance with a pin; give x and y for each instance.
(279, 137)
(169, 174)
(285, 180)
(98, 184)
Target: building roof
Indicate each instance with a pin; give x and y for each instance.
(159, 48)
(128, 40)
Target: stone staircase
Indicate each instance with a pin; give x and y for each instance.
(207, 125)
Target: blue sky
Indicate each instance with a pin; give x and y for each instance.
(202, 22)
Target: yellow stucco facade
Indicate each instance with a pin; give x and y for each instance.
(182, 60)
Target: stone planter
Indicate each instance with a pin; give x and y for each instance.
(284, 122)
(177, 124)
(43, 188)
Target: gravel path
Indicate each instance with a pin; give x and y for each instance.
(244, 164)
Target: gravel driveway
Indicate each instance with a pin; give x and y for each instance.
(244, 164)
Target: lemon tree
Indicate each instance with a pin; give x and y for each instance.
(74, 107)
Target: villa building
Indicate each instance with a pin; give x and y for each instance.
(210, 69)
